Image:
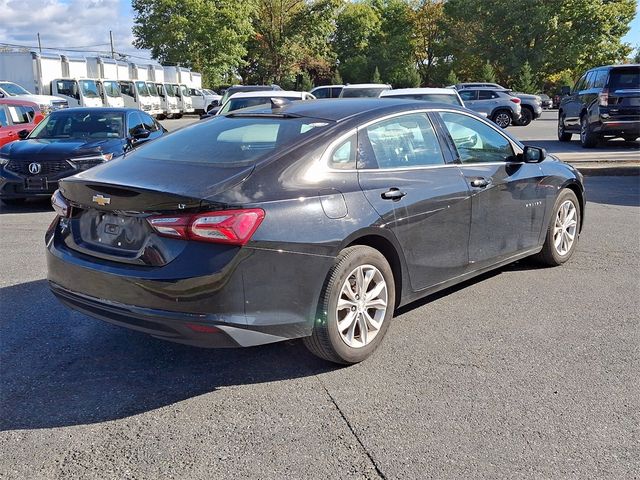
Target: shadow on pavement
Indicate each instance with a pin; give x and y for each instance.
(609, 147)
(60, 368)
(30, 206)
(624, 191)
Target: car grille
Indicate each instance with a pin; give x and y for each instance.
(47, 168)
(146, 108)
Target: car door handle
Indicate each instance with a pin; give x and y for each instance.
(479, 182)
(393, 194)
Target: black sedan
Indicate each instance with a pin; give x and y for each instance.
(314, 219)
(66, 142)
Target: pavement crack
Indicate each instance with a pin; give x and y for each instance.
(353, 432)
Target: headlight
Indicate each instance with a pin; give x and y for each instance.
(83, 163)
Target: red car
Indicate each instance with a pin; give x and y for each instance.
(15, 116)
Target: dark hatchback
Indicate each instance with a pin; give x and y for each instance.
(67, 142)
(604, 103)
(315, 219)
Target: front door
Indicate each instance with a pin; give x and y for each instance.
(508, 201)
(422, 199)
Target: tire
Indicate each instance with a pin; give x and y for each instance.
(563, 135)
(327, 341)
(502, 118)
(177, 115)
(526, 117)
(630, 138)
(588, 139)
(14, 202)
(553, 254)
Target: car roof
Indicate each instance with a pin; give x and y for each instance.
(341, 109)
(269, 93)
(414, 91)
(26, 103)
(326, 86)
(368, 85)
(249, 88)
(98, 110)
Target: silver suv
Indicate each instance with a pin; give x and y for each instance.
(498, 105)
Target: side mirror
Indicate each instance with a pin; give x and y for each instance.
(565, 90)
(533, 154)
(140, 133)
(22, 134)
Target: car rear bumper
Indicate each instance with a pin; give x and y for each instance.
(618, 126)
(252, 296)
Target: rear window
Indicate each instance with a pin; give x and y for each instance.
(362, 92)
(230, 141)
(624, 79)
(429, 97)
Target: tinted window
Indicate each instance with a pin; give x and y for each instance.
(468, 95)
(20, 115)
(126, 89)
(134, 122)
(581, 83)
(590, 81)
(335, 92)
(486, 95)
(362, 92)
(476, 141)
(322, 93)
(66, 87)
(148, 122)
(230, 141)
(3, 117)
(600, 78)
(344, 155)
(80, 124)
(627, 78)
(405, 141)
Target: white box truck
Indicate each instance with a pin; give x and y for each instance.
(178, 77)
(27, 76)
(74, 85)
(168, 101)
(105, 72)
(139, 74)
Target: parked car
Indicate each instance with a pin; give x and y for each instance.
(500, 106)
(604, 103)
(363, 90)
(461, 86)
(17, 119)
(46, 103)
(238, 89)
(67, 142)
(254, 98)
(316, 220)
(202, 100)
(547, 102)
(440, 95)
(327, 91)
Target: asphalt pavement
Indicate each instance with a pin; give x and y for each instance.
(526, 372)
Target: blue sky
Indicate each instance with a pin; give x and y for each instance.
(67, 23)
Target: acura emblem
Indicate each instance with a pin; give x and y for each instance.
(100, 200)
(34, 168)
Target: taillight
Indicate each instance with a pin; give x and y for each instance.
(603, 98)
(60, 204)
(515, 99)
(234, 227)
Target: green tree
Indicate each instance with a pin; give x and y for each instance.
(636, 56)
(376, 76)
(452, 78)
(336, 78)
(524, 81)
(205, 35)
(487, 73)
(428, 38)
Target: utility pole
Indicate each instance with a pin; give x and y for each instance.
(39, 44)
(113, 55)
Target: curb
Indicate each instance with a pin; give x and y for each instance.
(604, 169)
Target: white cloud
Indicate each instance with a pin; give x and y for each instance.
(69, 23)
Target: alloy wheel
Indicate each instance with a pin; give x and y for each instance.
(362, 306)
(503, 120)
(565, 228)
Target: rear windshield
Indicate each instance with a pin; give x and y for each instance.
(429, 97)
(238, 103)
(362, 92)
(230, 141)
(624, 79)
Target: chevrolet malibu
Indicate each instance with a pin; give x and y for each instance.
(313, 219)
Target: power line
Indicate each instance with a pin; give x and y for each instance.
(75, 49)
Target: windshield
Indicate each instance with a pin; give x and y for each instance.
(624, 79)
(362, 92)
(176, 89)
(230, 141)
(89, 88)
(429, 97)
(238, 103)
(12, 89)
(142, 89)
(153, 91)
(111, 89)
(79, 124)
(184, 90)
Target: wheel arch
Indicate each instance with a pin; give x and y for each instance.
(578, 191)
(495, 111)
(390, 251)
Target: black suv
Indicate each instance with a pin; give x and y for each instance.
(605, 102)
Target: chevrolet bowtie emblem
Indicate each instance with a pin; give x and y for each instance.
(101, 200)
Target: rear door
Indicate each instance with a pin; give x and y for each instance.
(420, 197)
(508, 202)
(7, 131)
